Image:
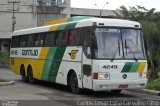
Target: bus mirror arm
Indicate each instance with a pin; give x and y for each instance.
(119, 47)
(126, 46)
(88, 51)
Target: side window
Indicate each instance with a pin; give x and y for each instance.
(30, 40)
(57, 38)
(65, 38)
(81, 34)
(50, 39)
(23, 41)
(39, 39)
(17, 41)
(42, 39)
(87, 34)
(36, 41)
(62, 38)
(13, 42)
(74, 37)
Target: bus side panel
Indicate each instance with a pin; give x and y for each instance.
(37, 64)
(46, 69)
(14, 66)
(49, 70)
(64, 69)
(72, 60)
(40, 63)
(34, 65)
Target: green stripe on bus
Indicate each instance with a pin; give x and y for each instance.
(127, 67)
(48, 62)
(134, 67)
(77, 18)
(67, 26)
(71, 25)
(61, 27)
(57, 59)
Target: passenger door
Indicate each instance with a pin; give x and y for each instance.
(86, 59)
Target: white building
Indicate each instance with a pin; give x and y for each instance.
(33, 13)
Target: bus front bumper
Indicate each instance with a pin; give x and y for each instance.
(103, 85)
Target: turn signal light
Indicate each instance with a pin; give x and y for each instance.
(95, 76)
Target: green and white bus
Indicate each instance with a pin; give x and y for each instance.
(83, 53)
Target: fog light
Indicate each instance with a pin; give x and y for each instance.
(142, 85)
(106, 76)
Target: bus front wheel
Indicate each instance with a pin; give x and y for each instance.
(74, 83)
(30, 76)
(116, 91)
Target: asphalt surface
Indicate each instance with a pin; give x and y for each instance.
(49, 94)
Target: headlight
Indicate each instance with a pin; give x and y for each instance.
(103, 76)
(142, 75)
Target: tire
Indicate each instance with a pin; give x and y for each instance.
(74, 84)
(23, 75)
(116, 91)
(30, 76)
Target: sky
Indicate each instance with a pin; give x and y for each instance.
(115, 4)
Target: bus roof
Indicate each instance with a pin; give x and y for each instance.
(90, 21)
(64, 20)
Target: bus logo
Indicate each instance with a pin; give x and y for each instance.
(73, 54)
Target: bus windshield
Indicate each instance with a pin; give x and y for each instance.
(118, 43)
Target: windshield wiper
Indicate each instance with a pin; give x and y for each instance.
(126, 46)
(116, 51)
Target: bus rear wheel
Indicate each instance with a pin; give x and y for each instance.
(23, 75)
(30, 76)
(74, 83)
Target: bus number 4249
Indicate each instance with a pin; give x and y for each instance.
(110, 66)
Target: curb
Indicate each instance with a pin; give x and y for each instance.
(152, 92)
(7, 83)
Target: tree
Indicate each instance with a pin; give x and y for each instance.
(137, 13)
(150, 20)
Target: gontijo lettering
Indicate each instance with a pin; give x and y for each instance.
(30, 52)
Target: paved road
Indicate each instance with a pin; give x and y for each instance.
(45, 93)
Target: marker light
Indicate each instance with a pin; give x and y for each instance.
(144, 75)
